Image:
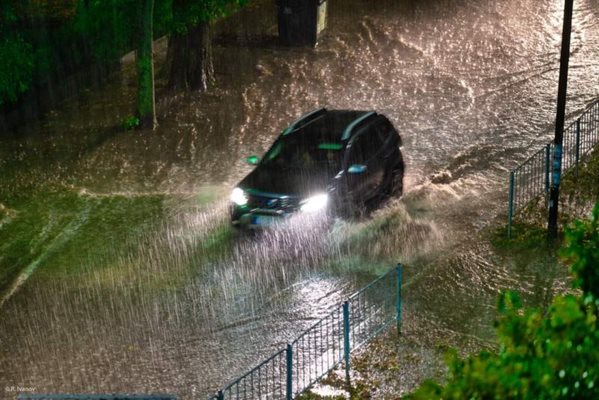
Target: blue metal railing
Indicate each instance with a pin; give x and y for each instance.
(324, 345)
(533, 177)
(370, 309)
(267, 380)
(27, 396)
(318, 350)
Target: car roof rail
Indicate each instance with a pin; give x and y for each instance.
(347, 132)
(304, 119)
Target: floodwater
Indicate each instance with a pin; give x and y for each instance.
(129, 276)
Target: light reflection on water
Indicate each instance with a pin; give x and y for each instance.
(189, 303)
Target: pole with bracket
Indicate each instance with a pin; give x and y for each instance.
(547, 170)
(559, 119)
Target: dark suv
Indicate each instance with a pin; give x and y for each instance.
(342, 161)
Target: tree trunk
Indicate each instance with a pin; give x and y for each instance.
(177, 55)
(201, 69)
(190, 60)
(146, 104)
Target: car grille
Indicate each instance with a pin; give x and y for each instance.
(273, 203)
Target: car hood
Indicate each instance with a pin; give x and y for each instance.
(289, 181)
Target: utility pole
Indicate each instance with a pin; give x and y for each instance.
(559, 119)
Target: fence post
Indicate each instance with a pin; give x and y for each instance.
(547, 167)
(547, 170)
(289, 371)
(220, 395)
(346, 343)
(399, 269)
(510, 211)
(577, 144)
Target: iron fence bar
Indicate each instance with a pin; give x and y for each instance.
(310, 344)
(399, 270)
(526, 180)
(289, 354)
(111, 396)
(510, 212)
(577, 144)
(369, 337)
(343, 329)
(265, 362)
(367, 287)
(273, 374)
(321, 342)
(346, 342)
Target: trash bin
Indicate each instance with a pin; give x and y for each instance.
(301, 22)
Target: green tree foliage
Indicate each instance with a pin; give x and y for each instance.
(16, 56)
(189, 13)
(583, 251)
(16, 67)
(44, 40)
(552, 354)
(107, 26)
(40, 41)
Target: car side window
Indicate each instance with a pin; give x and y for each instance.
(384, 130)
(373, 143)
(357, 153)
(365, 147)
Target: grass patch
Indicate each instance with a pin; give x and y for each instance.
(525, 236)
(219, 240)
(54, 232)
(109, 226)
(580, 188)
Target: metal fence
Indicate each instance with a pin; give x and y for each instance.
(31, 396)
(323, 346)
(533, 177)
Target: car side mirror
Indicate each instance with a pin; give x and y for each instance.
(357, 169)
(253, 160)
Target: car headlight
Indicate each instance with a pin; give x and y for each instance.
(238, 197)
(315, 203)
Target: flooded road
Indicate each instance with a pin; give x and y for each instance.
(133, 281)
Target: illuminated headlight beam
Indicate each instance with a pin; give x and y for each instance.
(315, 203)
(238, 197)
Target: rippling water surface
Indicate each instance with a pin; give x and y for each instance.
(133, 280)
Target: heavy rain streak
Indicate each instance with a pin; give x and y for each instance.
(136, 282)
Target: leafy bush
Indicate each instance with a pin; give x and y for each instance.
(542, 355)
(582, 251)
(131, 122)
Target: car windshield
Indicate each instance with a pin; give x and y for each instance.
(303, 151)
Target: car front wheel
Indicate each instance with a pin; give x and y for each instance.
(395, 180)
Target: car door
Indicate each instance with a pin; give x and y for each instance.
(390, 143)
(365, 150)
